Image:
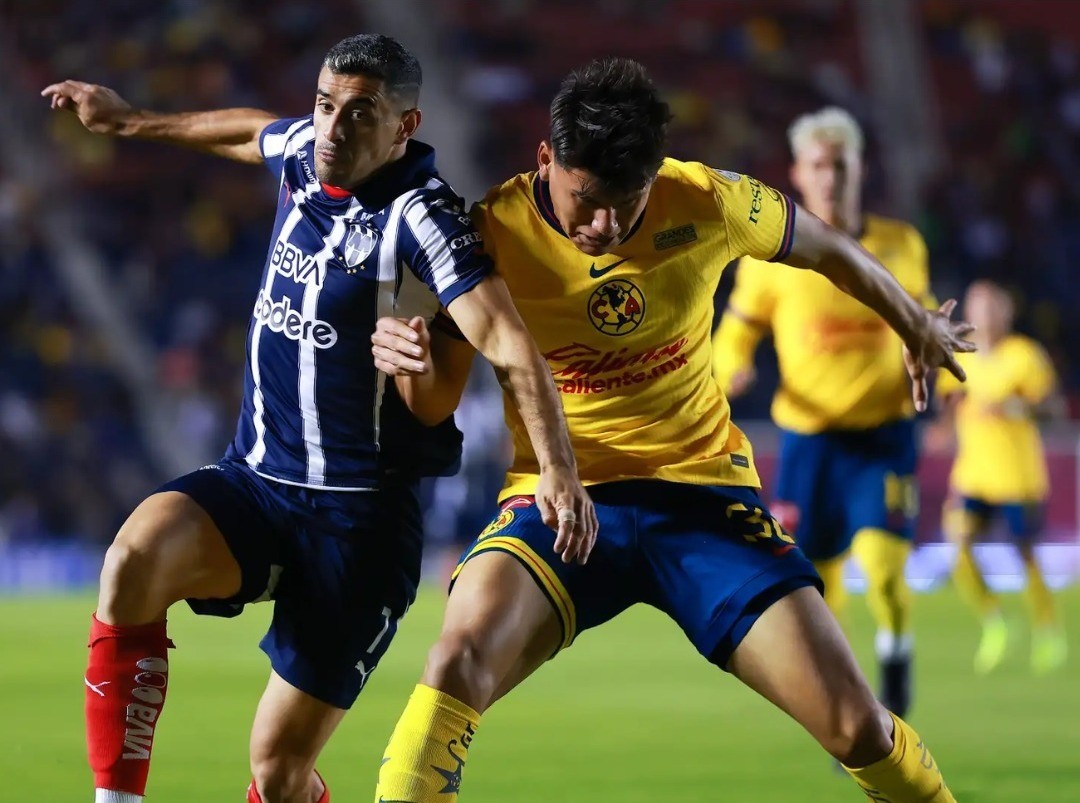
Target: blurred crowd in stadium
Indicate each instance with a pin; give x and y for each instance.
(183, 236)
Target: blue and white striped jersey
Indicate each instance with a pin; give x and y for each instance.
(316, 412)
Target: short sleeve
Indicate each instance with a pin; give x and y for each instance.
(443, 247)
(760, 220)
(283, 137)
(1038, 377)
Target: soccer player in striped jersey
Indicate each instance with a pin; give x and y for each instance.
(315, 503)
(846, 476)
(612, 254)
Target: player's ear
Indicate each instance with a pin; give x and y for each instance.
(410, 121)
(544, 158)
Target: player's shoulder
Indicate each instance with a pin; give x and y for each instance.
(278, 134)
(505, 201)
(694, 187)
(894, 229)
(1022, 348)
(695, 178)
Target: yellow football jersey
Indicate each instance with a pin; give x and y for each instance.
(999, 452)
(841, 366)
(627, 335)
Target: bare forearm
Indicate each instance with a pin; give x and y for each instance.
(232, 133)
(525, 376)
(431, 397)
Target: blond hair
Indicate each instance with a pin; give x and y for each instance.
(831, 124)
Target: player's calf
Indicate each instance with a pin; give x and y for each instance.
(166, 549)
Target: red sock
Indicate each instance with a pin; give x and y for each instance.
(253, 793)
(126, 679)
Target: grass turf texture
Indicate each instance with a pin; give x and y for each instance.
(629, 714)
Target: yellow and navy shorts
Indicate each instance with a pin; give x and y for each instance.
(832, 484)
(972, 517)
(711, 557)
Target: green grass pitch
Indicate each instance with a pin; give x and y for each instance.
(629, 714)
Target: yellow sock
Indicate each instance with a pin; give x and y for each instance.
(882, 556)
(1040, 601)
(427, 750)
(908, 774)
(970, 583)
(832, 575)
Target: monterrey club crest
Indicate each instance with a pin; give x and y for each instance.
(617, 307)
(359, 243)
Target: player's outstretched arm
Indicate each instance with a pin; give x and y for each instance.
(931, 339)
(232, 133)
(487, 317)
(430, 368)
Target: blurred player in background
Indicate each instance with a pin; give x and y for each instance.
(315, 503)
(845, 480)
(1000, 469)
(613, 254)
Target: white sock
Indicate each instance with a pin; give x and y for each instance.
(893, 646)
(111, 796)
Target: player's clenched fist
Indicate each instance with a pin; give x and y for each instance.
(99, 108)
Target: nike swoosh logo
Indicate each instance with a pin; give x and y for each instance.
(596, 274)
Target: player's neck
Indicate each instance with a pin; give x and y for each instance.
(848, 221)
(988, 341)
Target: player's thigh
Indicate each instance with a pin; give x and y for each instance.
(796, 656)
(965, 519)
(717, 558)
(511, 573)
(290, 730)
(176, 545)
(350, 572)
(1025, 522)
(500, 625)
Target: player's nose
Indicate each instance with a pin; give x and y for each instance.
(605, 222)
(335, 129)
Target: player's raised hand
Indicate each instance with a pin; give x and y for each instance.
(402, 347)
(565, 507)
(936, 346)
(99, 108)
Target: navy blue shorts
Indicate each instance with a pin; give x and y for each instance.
(710, 557)
(340, 566)
(833, 484)
(973, 517)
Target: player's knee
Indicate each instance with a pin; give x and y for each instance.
(283, 779)
(131, 580)
(459, 665)
(861, 734)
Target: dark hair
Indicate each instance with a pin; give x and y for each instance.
(608, 119)
(380, 57)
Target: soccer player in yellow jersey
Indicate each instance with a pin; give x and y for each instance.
(612, 254)
(1000, 469)
(845, 480)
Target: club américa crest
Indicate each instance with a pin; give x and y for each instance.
(617, 307)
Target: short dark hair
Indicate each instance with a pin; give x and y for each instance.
(380, 57)
(608, 119)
